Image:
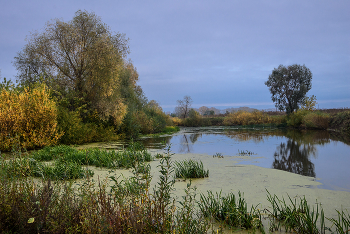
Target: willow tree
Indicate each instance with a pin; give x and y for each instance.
(81, 59)
(289, 85)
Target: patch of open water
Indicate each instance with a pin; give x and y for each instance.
(284, 162)
(307, 153)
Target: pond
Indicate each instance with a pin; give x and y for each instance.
(308, 153)
(310, 164)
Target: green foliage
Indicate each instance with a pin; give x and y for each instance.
(308, 119)
(75, 131)
(297, 217)
(341, 121)
(296, 119)
(342, 224)
(127, 206)
(318, 120)
(194, 119)
(189, 220)
(79, 59)
(7, 85)
(289, 85)
(227, 210)
(190, 169)
(25, 167)
(170, 129)
(98, 157)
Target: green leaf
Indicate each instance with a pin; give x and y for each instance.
(31, 220)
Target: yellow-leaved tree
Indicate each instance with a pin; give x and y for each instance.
(28, 119)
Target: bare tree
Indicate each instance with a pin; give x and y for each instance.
(183, 107)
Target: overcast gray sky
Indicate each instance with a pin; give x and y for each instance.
(218, 52)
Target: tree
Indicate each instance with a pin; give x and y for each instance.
(80, 59)
(203, 109)
(183, 107)
(289, 85)
(309, 103)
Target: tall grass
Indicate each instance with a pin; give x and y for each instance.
(97, 157)
(342, 224)
(228, 210)
(190, 169)
(296, 217)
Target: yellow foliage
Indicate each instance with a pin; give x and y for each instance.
(177, 121)
(247, 118)
(28, 118)
(145, 123)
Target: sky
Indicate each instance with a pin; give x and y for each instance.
(220, 53)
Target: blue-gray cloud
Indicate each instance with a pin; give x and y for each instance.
(218, 52)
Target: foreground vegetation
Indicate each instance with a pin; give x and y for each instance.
(112, 205)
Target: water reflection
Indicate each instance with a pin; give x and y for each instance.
(294, 157)
(187, 141)
(308, 153)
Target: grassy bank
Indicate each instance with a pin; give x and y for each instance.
(130, 205)
(338, 120)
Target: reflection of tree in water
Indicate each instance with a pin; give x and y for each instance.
(303, 137)
(155, 142)
(294, 157)
(186, 142)
(252, 135)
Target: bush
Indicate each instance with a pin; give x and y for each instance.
(341, 121)
(247, 118)
(317, 120)
(296, 119)
(27, 118)
(75, 131)
(177, 121)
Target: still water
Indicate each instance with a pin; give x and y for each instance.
(286, 163)
(309, 153)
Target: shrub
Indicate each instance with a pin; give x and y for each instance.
(341, 121)
(316, 120)
(27, 118)
(247, 118)
(296, 118)
(177, 121)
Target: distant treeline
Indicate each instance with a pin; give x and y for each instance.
(334, 119)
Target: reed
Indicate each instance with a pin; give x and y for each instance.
(97, 157)
(296, 217)
(190, 169)
(342, 224)
(231, 212)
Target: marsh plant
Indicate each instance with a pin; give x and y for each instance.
(189, 219)
(126, 205)
(297, 217)
(230, 211)
(342, 224)
(218, 155)
(245, 152)
(190, 169)
(95, 156)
